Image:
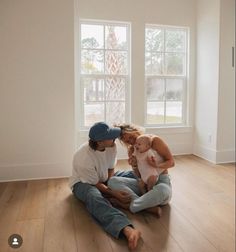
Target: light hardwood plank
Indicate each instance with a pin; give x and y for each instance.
(89, 235)
(10, 204)
(59, 234)
(204, 203)
(200, 216)
(154, 235)
(31, 232)
(3, 187)
(34, 203)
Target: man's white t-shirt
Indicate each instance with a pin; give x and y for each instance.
(90, 166)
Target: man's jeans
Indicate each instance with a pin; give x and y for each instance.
(111, 219)
(159, 195)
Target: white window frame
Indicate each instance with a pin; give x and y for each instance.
(185, 79)
(80, 111)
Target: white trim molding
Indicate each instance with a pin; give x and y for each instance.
(214, 156)
(225, 156)
(32, 171)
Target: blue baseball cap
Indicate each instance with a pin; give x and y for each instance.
(101, 131)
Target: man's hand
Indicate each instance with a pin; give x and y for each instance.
(122, 196)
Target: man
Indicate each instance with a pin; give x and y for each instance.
(93, 165)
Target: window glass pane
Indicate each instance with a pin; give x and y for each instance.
(175, 40)
(115, 112)
(93, 112)
(174, 63)
(115, 88)
(116, 62)
(93, 89)
(116, 37)
(104, 71)
(173, 112)
(157, 63)
(165, 70)
(92, 61)
(92, 36)
(174, 89)
(148, 63)
(155, 112)
(154, 39)
(155, 89)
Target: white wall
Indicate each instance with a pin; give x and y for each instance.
(36, 88)
(37, 133)
(214, 115)
(226, 105)
(139, 13)
(208, 18)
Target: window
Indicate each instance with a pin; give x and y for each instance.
(165, 75)
(104, 72)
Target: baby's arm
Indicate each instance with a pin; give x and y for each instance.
(133, 161)
(153, 162)
(151, 158)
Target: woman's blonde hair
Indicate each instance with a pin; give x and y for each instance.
(131, 129)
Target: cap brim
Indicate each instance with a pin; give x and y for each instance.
(113, 133)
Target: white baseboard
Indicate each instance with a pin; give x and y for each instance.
(225, 156)
(17, 172)
(214, 156)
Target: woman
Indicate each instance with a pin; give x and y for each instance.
(161, 192)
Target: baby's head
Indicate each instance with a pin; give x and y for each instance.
(143, 143)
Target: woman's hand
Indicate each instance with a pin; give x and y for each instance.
(132, 161)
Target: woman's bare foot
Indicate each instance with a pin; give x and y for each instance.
(132, 235)
(155, 210)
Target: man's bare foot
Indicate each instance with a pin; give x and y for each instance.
(132, 235)
(155, 210)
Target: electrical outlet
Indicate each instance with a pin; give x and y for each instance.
(209, 138)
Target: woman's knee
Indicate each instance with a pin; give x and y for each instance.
(163, 191)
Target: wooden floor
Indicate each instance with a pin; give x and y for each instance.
(200, 216)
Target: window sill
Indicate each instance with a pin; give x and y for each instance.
(154, 130)
(169, 130)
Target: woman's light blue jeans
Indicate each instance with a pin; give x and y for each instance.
(111, 219)
(159, 195)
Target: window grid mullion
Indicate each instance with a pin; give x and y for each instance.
(164, 66)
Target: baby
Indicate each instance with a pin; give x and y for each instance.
(149, 174)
